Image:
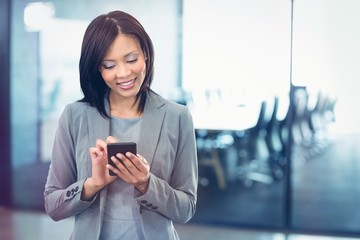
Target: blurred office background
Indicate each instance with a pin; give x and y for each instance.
(272, 86)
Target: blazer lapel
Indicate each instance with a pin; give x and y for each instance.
(153, 118)
(99, 128)
(154, 113)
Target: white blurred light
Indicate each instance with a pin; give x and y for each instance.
(37, 15)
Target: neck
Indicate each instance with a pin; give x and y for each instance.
(124, 108)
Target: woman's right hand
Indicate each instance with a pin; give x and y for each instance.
(100, 174)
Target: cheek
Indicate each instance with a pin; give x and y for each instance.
(106, 75)
(138, 68)
(142, 70)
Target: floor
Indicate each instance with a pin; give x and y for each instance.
(324, 194)
(324, 201)
(33, 225)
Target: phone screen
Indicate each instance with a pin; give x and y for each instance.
(120, 147)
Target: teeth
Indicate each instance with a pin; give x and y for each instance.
(126, 83)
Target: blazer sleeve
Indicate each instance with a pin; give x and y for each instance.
(63, 190)
(176, 199)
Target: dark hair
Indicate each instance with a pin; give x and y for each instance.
(98, 38)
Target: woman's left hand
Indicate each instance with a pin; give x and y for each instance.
(133, 169)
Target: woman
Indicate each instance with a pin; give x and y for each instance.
(151, 189)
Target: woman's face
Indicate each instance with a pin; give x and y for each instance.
(123, 67)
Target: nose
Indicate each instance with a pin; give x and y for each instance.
(122, 71)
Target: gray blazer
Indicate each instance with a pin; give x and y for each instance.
(167, 141)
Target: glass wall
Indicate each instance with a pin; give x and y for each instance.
(326, 131)
(46, 42)
(257, 75)
(5, 129)
(236, 58)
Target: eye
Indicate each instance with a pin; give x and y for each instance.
(108, 65)
(132, 60)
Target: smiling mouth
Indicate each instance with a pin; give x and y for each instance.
(126, 84)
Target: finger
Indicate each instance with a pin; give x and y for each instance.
(119, 163)
(138, 161)
(96, 156)
(127, 162)
(115, 168)
(127, 170)
(111, 139)
(101, 144)
(120, 170)
(95, 152)
(142, 159)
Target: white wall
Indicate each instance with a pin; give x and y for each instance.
(326, 55)
(237, 44)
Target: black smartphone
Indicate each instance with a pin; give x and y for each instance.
(119, 147)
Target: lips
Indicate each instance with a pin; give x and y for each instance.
(126, 85)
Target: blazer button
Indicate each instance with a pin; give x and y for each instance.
(154, 207)
(149, 205)
(68, 193)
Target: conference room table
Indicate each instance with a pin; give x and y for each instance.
(210, 121)
(222, 117)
